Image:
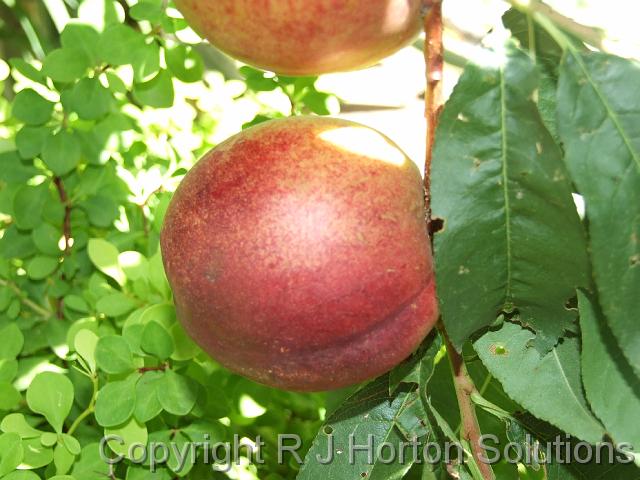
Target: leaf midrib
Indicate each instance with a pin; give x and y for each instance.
(605, 103)
(505, 179)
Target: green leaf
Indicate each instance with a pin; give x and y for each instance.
(29, 107)
(147, 403)
(419, 368)
(51, 394)
(9, 397)
(76, 303)
(12, 169)
(61, 152)
(369, 415)
(156, 341)
(115, 304)
(611, 387)
(30, 140)
(35, 454)
(91, 465)
(11, 452)
(178, 393)
(598, 117)
(116, 402)
(104, 256)
(512, 239)
(147, 62)
(66, 64)
(157, 92)
(28, 204)
(81, 36)
(102, 210)
(88, 98)
(149, 10)
(63, 460)
(16, 423)
(12, 341)
(126, 435)
(548, 385)
(46, 238)
(41, 267)
(185, 348)
(120, 45)
(101, 13)
(85, 343)
(113, 355)
(185, 63)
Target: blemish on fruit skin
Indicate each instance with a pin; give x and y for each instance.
(463, 118)
(499, 349)
(477, 162)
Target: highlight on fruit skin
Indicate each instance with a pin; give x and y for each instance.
(298, 255)
(306, 37)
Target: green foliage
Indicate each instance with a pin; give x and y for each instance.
(102, 121)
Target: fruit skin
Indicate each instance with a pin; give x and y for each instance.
(306, 37)
(301, 261)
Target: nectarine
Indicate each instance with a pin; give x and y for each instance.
(298, 255)
(305, 37)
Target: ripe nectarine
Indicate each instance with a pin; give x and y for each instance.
(305, 37)
(298, 255)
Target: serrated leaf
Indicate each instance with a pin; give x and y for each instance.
(419, 367)
(30, 108)
(61, 152)
(116, 402)
(104, 256)
(512, 238)
(598, 122)
(51, 394)
(548, 385)
(370, 413)
(179, 393)
(611, 387)
(113, 355)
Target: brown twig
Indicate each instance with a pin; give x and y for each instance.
(434, 59)
(464, 386)
(159, 368)
(66, 225)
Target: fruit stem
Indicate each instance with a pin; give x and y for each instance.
(466, 391)
(464, 386)
(434, 59)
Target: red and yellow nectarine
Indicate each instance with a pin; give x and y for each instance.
(298, 255)
(305, 37)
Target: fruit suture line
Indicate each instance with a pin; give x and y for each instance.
(464, 386)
